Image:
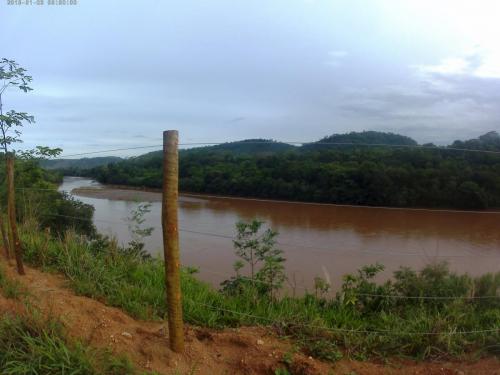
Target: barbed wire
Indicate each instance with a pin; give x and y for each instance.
(320, 250)
(320, 143)
(330, 251)
(305, 143)
(341, 205)
(311, 326)
(105, 151)
(360, 294)
(343, 330)
(298, 202)
(300, 287)
(315, 249)
(36, 189)
(283, 244)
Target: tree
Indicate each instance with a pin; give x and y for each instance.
(137, 231)
(272, 273)
(252, 246)
(12, 75)
(257, 248)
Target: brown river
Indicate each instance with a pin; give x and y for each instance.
(317, 239)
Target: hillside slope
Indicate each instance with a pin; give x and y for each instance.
(350, 171)
(83, 163)
(246, 350)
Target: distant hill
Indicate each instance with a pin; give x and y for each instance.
(376, 176)
(257, 146)
(489, 141)
(366, 137)
(247, 146)
(84, 163)
(344, 174)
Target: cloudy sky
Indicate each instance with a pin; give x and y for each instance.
(117, 73)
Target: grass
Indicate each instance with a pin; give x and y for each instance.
(388, 326)
(30, 344)
(10, 288)
(30, 347)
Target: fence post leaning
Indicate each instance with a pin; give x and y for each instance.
(11, 208)
(171, 239)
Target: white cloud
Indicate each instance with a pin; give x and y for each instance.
(453, 65)
(477, 63)
(490, 67)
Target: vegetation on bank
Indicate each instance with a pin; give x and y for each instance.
(37, 196)
(363, 319)
(83, 163)
(30, 345)
(33, 344)
(344, 173)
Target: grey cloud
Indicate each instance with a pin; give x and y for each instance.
(227, 70)
(434, 106)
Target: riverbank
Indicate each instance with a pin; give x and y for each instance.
(117, 343)
(38, 334)
(318, 240)
(248, 350)
(118, 193)
(424, 315)
(134, 194)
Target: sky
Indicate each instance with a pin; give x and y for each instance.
(114, 74)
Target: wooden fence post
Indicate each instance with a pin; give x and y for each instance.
(171, 239)
(5, 237)
(11, 199)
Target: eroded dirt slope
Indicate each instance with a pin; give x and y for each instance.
(247, 350)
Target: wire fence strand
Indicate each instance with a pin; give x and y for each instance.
(301, 287)
(342, 330)
(316, 249)
(363, 331)
(297, 143)
(374, 295)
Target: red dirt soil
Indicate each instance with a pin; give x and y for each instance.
(246, 350)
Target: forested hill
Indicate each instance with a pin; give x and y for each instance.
(346, 174)
(361, 138)
(84, 163)
(489, 141)
(248, 146)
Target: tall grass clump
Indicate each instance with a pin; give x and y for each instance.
(363, 319)
(10, 288)
(29, 345)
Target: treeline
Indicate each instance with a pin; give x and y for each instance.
(37, 198)
(84, 163)
(345, 173)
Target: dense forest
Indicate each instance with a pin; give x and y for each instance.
(344, 168)
(84, 163)
(37, 198)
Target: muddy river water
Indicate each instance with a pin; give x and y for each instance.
(318, 240)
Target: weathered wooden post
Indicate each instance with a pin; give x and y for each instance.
(5, 237)
(11, 208)
(171, 239)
